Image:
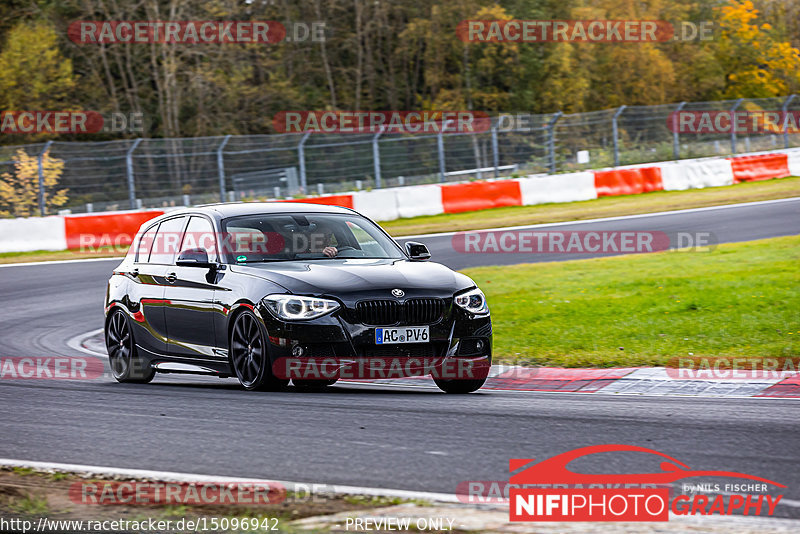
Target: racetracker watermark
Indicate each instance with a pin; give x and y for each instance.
(377, 367)
(738, 122)
(50, 368)
(108, 493)
(69, 122)
(231, 243)
(582, 31)
(716, 368)
(389, 122)
(579, 242)
(192, 31)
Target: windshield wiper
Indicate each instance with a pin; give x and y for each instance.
(259, 261)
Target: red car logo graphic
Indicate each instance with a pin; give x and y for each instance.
(554, 470)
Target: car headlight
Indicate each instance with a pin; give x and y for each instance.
(297, 308)
(474, 301)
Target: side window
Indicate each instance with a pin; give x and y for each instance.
(169, 236)
(200, 234)
(145, 245)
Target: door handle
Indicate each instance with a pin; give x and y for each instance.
(171, 277)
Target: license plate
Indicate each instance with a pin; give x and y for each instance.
(407, 334)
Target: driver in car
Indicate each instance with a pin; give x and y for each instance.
(322, 239)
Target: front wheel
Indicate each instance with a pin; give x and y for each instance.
(123, 358)
(459, 386)
(249, 358)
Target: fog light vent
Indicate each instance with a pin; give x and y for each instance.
(472, 346)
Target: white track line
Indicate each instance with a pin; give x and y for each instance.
(170, 476)
(606, 219)
(76, 343)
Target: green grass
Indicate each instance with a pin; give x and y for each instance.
(30, 505)
(23, 471)
(741, 300)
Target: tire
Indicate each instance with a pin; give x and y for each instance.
(123, 358)
(313, 385)
(459, 386)
(249, 357)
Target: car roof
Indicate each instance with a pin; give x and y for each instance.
(235, 209)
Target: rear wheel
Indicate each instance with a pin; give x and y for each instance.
(125, 363)
(459, 386)
(249, 357)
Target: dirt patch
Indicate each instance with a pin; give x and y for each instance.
(28, 494)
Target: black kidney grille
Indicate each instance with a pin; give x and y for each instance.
(378, 312)
(423, 311)
(389, 312)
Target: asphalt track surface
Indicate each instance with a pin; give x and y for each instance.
(370, 435)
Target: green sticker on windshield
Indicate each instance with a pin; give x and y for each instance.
(241, 258)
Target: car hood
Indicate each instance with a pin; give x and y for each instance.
(340, 277)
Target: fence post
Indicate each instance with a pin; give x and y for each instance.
(733, 123)
(440, 144)
(376, 158)
(615, 133)
(129, 163)
(301, 156)
(785, 117)
(221, 168)
(495, 152)
(551, 141)
(676, 147)
(41, 177)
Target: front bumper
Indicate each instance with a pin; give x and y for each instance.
(337, 347)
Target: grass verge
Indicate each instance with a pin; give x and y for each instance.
(53, 255)
(740, 300)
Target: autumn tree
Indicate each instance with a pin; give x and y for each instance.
(19, 189)
(757, 64)
(34, 74)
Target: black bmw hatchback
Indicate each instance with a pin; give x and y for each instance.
(273, 292)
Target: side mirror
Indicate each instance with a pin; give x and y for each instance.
(417, 251)
(194, 257)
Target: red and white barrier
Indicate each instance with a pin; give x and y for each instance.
(696, 174)
(557, 188)
(35, 233)
(475, 196)
(627, 181)
(415, 201)
(793, 157)
(118, 228)
(757, 167)
(105, 229)
(380, 204)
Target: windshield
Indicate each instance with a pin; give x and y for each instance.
(304, 237)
